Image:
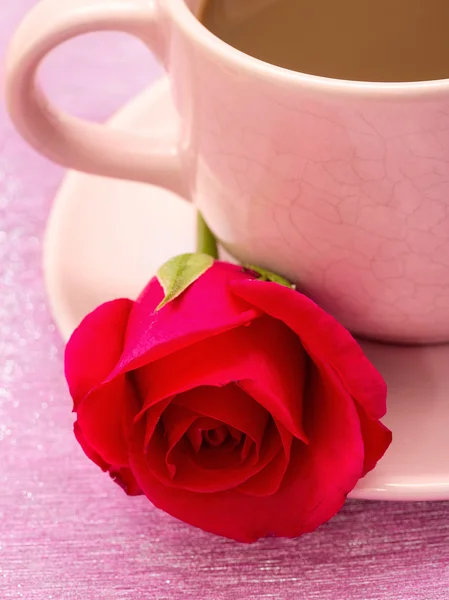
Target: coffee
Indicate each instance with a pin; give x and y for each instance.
(364, 40)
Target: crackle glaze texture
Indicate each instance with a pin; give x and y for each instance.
(349, 197)
(66, 532)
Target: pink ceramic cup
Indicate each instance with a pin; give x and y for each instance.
(341, 186)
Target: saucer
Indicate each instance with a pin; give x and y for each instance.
(106, 238)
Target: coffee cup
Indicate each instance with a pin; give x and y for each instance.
(342, 186)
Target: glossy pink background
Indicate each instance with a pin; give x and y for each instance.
(66, 532)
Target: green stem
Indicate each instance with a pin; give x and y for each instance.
(205, 239)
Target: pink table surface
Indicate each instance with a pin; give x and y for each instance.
(66, 532)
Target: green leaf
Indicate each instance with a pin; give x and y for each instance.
(265, 275)
(179, 272)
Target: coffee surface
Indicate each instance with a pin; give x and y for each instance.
(375, 40)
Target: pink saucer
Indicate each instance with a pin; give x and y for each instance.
(105, 239)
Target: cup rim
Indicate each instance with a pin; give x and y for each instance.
(186, 20)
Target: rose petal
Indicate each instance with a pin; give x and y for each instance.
(207, 460)
(333, 424)
(95, 347)
(100, 417)
(206, 308)
(195, 438)
(88, 450)
(323, 338)
(247, 447)
(266, 352)
(376, 437)
(176, 422)
(268, 481)
(152, 416)
(123, 476)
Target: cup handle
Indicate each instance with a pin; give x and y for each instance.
(73, 142)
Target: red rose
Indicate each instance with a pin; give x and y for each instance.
(239, 407)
